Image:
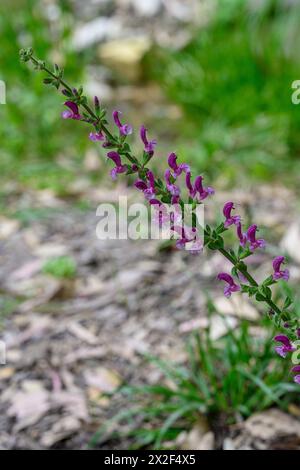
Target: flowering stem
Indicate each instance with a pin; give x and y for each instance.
(94, 119)
(243, 270)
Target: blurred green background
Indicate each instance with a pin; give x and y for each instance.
(232, 83)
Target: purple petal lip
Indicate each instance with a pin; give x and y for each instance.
(297, 379)
(281, 351)
(296, 369)
(283, 339)
(73, 106)
(125, 129)
(115, 157)
(96, 136)
(73, 112)
(226, 277)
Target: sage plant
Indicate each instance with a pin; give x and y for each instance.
(168, 190)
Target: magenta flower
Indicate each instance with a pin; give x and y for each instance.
(125, 129)
(161, 214)
(149, 146)
(189, 239)
(278, 273)
(285, 347)
(297, 377)
(254, 243)
(147, 188)
(177, 169)
(96, 136)
(242, 236)
(72, 112)
(171, 187)
(197, 190)
(231, 287)
(230, 219)
(189, 185)
(119, 168)
(202, 192)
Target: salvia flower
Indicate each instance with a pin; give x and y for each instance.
(161, 214)
(296, 369)
(242, 236)
(72, 112)
(147, 188)
(119, 168)
(230, 219)
(231, 287)
(202, 192)
(251, 237)
(96, 136)
(279, 273)
(197, 190)
(189, 185)
(171, 187)
(188, 239)
(149, 146)
(285, 347)
(125, 129)
(177, 169)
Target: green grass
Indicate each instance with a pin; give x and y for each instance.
(233, 82)
(230, 378)
(31, 131)
(62, 267)
(7, 307)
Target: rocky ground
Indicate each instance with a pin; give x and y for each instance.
(70, 341)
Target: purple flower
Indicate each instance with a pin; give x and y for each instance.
(254, 243)
(278, 273)
(72, 112)
(149, 146)
(285, 347)
(231, 287)
(171, 187)
(242, 236)
(297, 377)
(189, 185)
(96, 136)
(125, 129)
(230, 219)
(202, 192)
(161, 215)
(147, 188)
(119, 168)
(197, 189)
(177, 169)
(188, 239)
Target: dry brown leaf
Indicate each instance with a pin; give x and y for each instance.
(62, 429)
(104, 380)
(82, 333)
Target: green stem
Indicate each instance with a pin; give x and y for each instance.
(250, 279)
